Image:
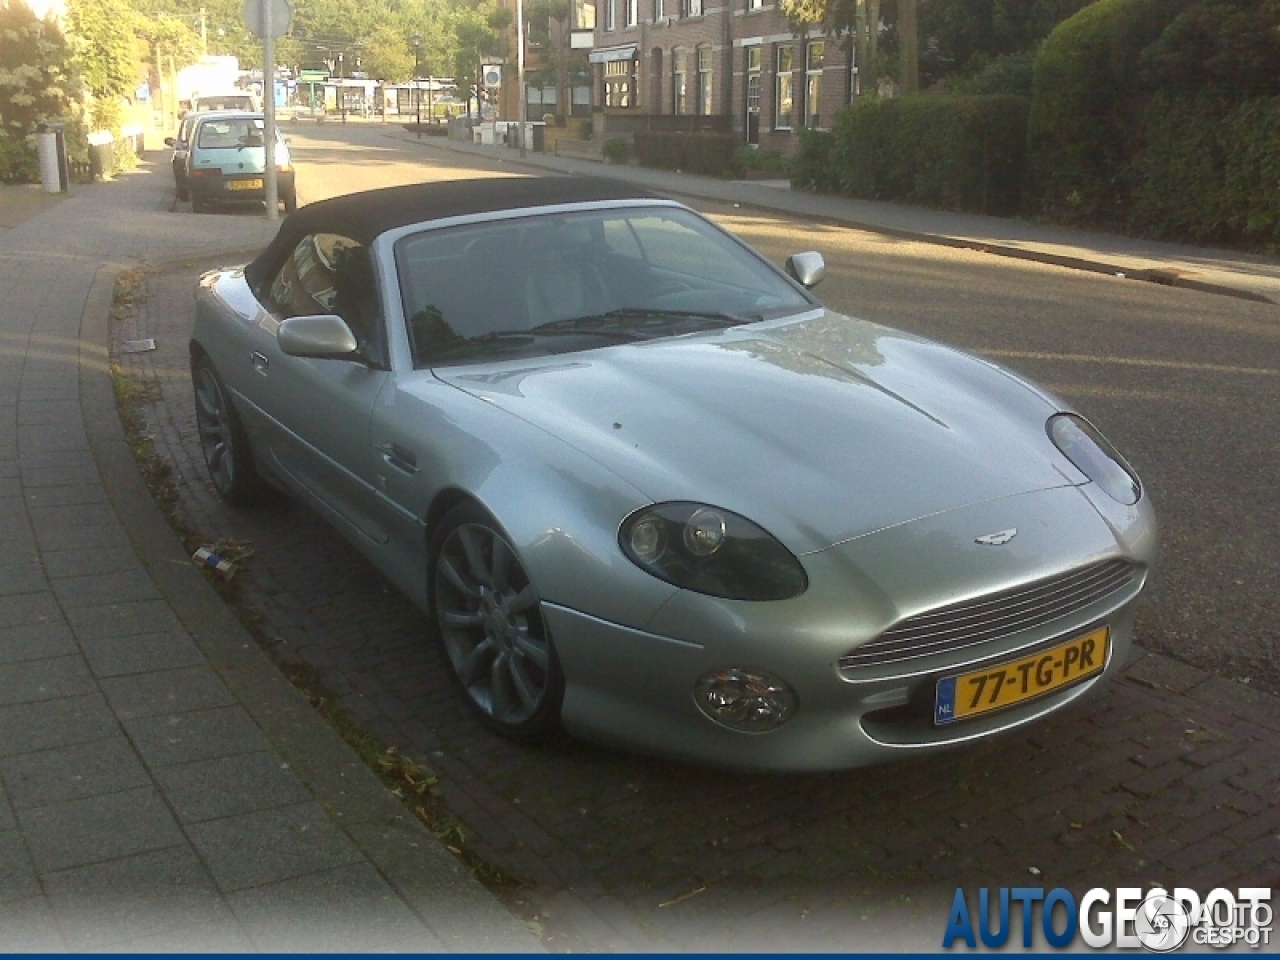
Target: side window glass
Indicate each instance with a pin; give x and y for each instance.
(329, 273)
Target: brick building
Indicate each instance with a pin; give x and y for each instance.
(714, 65)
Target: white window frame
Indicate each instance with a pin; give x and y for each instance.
(783, 78)
(813, 84)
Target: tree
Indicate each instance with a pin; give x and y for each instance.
(859, 19)
(37, 83)
(105, 54)
(388, 55)
(961, 38)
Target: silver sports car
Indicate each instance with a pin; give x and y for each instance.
(650, 490)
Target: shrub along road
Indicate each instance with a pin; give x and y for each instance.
(1169, 776)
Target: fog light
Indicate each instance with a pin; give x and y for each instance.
(746, 700)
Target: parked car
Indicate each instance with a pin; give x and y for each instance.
(226, 161)
(178, 159)
(649, 488)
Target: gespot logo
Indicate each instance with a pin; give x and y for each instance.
(1128, 919)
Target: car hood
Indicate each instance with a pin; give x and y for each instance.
(819, 429)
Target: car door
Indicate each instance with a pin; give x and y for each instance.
(319, 408)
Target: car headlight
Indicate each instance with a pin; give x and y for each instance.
(709, 550)
(1094, 457)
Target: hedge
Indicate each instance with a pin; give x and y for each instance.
(707, 153)
(952, 152)
(1085, 105)
(1210, 170)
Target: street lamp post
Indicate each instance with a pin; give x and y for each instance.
(522, 97)
(417, 71)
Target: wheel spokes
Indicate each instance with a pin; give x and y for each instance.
(472, 666)
(525, 600)
(532, 649)
(529, 693)
(217, 454)
(450, 573)
(475, 558)
(455, 620)
(499, 696)
(500, 561)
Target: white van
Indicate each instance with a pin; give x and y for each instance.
(232, 100)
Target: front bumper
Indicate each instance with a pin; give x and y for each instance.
(634, 687)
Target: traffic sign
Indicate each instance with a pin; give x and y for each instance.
(281, 17)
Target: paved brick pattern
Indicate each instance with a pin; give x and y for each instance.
(1170, 776)
(144, 805)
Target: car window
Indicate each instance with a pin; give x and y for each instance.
(329, 273)
(230, 102)
(555, 283)
(231, 133)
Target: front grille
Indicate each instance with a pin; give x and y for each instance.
(995, 615)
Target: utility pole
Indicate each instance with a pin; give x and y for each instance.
(417, 90)
(522, 94)
(204, 34)
(269, 113)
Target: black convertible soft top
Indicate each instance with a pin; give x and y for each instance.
(364, 216)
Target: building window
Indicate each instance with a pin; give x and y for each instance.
(704, 81)
(755, 4)
(584, 15)
(633, 12)
(814, 55)
(784, 89)
(609, 22)
(679, 81)
(692, 8)
(658, 12)
(619, 83)
(753, 94)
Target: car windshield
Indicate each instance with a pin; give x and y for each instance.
(231, 133)
(557, 283)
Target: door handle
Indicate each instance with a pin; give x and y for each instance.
(400, 458)
(260, 362)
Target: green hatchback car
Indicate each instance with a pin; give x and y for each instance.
(226, 162)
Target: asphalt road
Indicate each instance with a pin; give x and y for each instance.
(1140, 785)
(1185, 384)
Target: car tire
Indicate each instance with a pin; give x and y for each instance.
(198, 205)
(489, 618)
(291, 201)
(222, 439)
(183, 193)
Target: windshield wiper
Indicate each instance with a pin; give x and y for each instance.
(463, 347)
(607, 323)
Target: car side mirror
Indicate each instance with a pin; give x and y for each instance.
(169, 141)
(807, 268)
(325, 336)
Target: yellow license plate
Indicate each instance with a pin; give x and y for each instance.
(244, 184)
(1004, 684)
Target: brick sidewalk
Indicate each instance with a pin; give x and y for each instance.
(1170, 776)
(162, 787)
